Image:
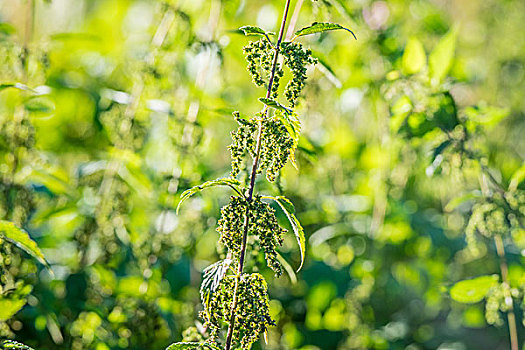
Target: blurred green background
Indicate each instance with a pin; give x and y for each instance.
(122, 105)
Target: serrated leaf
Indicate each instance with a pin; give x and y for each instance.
(321, 27)
(190, 345)
(440, 59)
(293, 125)
(233, 183)
(298, 231)
(21, 239)
(212, 278)
(254, 30)
(274, 104)
(183, 346)
(414, 57)
(473, 290)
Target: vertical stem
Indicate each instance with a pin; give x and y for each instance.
(500, 249)
(253, 176)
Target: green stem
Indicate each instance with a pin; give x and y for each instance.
(253, 176)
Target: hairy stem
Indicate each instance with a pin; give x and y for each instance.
(511, 318)
(253, 176)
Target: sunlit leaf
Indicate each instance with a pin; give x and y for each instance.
(233, 183)
(321, 27)
(473, 290)
(21, 239)
(190, 345)
(274, 104)
(212, 278)
(253, 30)
(414, 57)
(440, 59)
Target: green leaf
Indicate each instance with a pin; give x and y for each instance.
(233, 183)
(298, 231)
(253, 30)
(473, 290)
(9, 307)
(274, 104)
(182, 346)
(321, 27)
(414, 57)
(293, 125)
(212, 278)
(440, 59)
(21, 239)
(190, 345)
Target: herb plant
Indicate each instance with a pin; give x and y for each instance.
(236, 303)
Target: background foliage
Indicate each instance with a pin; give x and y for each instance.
(110, 109)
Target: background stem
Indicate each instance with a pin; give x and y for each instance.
(253, 176)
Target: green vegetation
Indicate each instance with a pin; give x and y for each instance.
(375, 199)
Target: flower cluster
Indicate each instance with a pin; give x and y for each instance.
(260, 56)
(262, 225)
(296, 58)
(276, 145)
(252, 309)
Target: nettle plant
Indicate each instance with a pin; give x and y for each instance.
(236, 303)
(424, 111)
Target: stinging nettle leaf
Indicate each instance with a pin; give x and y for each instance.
(190, 345)
(233, 183)
(212, 278)
(274, 104)
(298, 231)
(321, 27)
(21, 239)
(253, 30)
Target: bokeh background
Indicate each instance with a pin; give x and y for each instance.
(130, 104)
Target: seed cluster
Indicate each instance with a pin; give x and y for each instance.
(276, 145)
(262, 225)
(252, 310)
(260, 55)
(296, 58)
